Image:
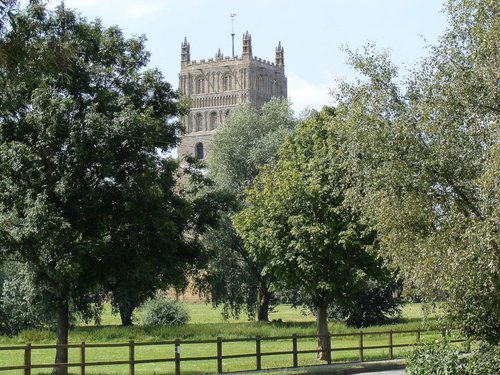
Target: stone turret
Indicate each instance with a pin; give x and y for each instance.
(280, 55)
(247, 44)
(219, 55)
(185, 52)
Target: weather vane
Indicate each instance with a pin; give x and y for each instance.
(232, 28)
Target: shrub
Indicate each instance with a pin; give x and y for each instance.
(485, 361)
(436, 358)
(163, 311)
(370, 305)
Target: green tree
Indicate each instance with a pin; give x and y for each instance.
(142, 229)
(247, 140)
(25, 304)
(424, 164)
(148, 251)
(82, 128)
(21, 303)
(297, 222)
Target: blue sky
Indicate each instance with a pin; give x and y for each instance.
(312, 33)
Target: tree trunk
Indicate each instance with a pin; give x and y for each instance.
(62, 335)
(126, 311)
(264, 300)
(322, 332)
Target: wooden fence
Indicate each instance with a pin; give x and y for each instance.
(257, 353)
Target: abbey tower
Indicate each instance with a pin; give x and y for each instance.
(216, 86)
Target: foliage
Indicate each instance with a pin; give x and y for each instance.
(484, 361)
(247, 140)
(148, 235)
(434, 358)
(229, 281)
(371, 305)
(21, 306)
(163, 311)
(439, 357)
(85, 192)
(24, 303)
(423, 162)
(298, 223)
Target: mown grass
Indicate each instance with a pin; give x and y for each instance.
(207, 324)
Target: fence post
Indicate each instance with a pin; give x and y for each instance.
(329, 352)
(418, 335)
(177, 357)
(361, 356)
(27, 359)
(82, 358)
(131, 358)
(219, 355)
(258, 355)
(294, 349)
(391, 352)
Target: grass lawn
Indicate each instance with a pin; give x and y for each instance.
(207, 324)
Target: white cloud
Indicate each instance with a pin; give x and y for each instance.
(305, 94)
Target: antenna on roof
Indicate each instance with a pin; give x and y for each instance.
(232, 15)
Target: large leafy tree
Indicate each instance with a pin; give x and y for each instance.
(148, 251)
(84, 188)
(299, 224)
(424, 161)
(247, 140)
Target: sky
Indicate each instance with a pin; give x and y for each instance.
(312, 33)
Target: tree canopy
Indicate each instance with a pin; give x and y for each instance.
(84, 188)
(298, 223)
(423, 160)
(248, 139)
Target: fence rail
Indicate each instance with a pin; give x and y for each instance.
(258, 353)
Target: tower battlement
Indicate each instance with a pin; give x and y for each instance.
(214, 86)
(229, 58)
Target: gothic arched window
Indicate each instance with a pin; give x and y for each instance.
(199, 122)
(213, 120)
(260, 83)
(227, 82)
(200, 85)
(199, 151)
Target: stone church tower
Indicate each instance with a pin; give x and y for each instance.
(216, 86)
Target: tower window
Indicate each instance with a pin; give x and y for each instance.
(227, 82)
(199, 151)
(213, 120)
(200, 85)
(260, 83)
(199, 122)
